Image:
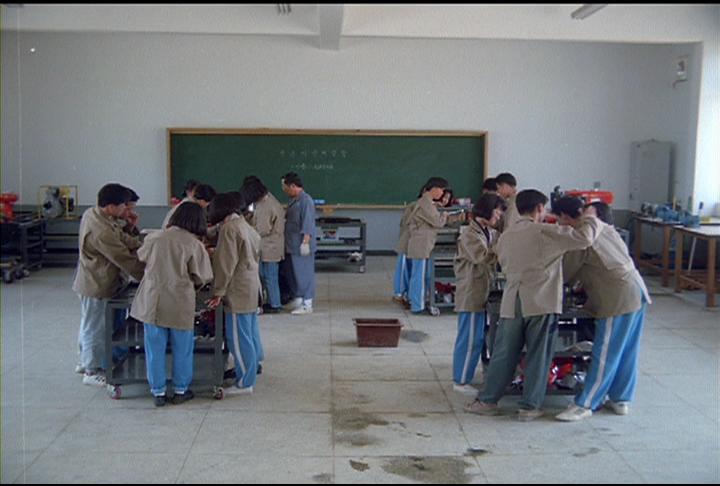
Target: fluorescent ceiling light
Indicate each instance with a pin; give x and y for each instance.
(587, 10)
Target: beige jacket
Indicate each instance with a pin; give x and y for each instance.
(509, 216)
(235, 266)
(269, 221)
(531, 254)
(105, 251)
(607, 274)
(176, 264)
(474, 266)
(404, 236)
(172, 210)
(425, 221)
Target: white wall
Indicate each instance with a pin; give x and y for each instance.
(88, 108)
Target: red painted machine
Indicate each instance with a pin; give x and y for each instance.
(587, 195)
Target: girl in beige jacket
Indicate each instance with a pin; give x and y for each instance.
(237, 284)
(176, 265)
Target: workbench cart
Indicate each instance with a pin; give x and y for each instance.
(341, 241)
(209, 355)
(573, 348)
(441, 272)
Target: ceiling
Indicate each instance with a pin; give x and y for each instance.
(329, 23)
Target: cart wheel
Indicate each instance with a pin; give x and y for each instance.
(113, 391)
(8, 277)
(361, 270)
(218, 393)
(434, 311)
(26, 272)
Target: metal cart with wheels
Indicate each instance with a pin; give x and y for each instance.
(125, 333)
(573, 348)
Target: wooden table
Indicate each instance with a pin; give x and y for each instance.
(702, 279)
(667, 229)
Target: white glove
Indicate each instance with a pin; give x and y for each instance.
(305, 249)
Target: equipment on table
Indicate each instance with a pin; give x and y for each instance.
(57, 201)
(7, 204)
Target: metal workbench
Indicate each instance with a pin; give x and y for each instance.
(575, 335)
(341, 241)
(209, 355)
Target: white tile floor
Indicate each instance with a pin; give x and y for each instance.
(325, 411)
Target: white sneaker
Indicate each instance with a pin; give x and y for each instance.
(619, 408)
(97, 379)
(301, 311)
(79, 369)
(465, 389)
(574, 413)
(293, 304)
(238, 390)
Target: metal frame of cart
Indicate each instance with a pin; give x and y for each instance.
(209, 354)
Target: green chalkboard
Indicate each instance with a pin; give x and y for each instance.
(338, 167)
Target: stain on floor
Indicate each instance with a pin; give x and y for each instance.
(430, 470)
(413, 336)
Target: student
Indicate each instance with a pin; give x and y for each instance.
(616, 298)
(176, 266)
(530, 254)
(446, 199)
(188, 195)
(237, 284)
(401, 278)
(507, 188)
(269, 221)
(489, 185)
(201, 194)
(424, 222)
(474, 266)
(105, 251)
(300, 244)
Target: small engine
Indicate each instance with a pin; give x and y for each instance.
(57, 202)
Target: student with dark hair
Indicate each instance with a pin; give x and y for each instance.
(507, 188)
(200, 193)
(446, 199)
(269, 221)
(300, 244)
(489, 185)
(424, 223)
(616, 298)
(237, 285)
(176, 266)
(474, 266)
(530, 254)
(403, 269)
(105, 251)
(602, 211)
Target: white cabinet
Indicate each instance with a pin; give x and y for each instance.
(652, 173)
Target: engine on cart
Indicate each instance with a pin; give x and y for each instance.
(57, 201)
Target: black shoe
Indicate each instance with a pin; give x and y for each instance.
(229, 374)
(179, 398)
(160, 400)
(270, 310)
(259, 370)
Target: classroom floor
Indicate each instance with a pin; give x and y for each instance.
(326, 411)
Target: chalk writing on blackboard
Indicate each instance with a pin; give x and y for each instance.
(303, 166)
(314, 153)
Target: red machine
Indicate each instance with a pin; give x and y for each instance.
(7, 203)
(587, 195)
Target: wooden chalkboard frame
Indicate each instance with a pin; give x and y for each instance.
(480, 135)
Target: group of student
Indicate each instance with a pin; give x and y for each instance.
(506, 232)
(232, 242)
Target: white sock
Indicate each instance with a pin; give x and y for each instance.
(307, 303)
(297, 301)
